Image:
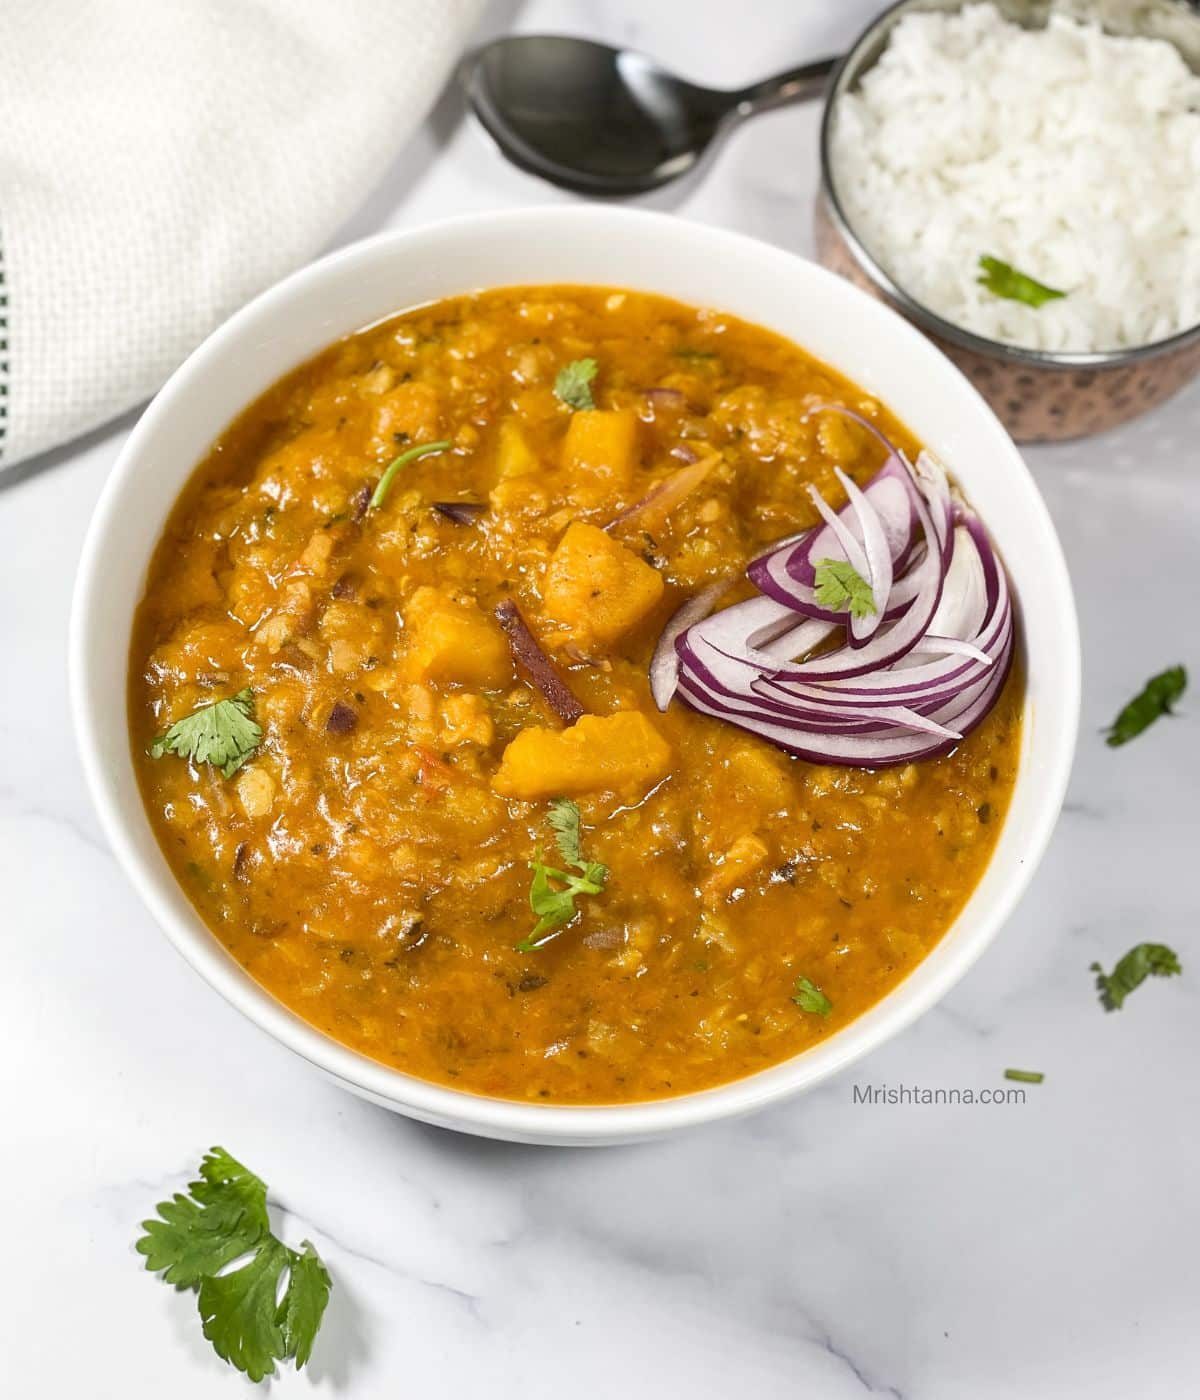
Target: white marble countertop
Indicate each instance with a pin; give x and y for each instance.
(822, 1248)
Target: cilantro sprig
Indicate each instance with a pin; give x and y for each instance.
(423, 449)
(1004, 281)
(1025, 1076)
(553, 892)
(1145, 960)
(224, 734)
(842, 588)
(809, 997)
(1152, 702)
(573, 385)
(223, 1218)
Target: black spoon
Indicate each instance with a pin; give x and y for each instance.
(609, 121)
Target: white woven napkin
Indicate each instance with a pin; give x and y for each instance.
(163, 160)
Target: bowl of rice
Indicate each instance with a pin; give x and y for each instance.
(1021, 179)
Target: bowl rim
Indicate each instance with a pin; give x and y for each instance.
(904, 301)
(562, 1124)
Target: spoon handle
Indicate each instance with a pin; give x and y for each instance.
(796, 85)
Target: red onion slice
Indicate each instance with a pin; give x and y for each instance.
(891, 643)
(664, 664)
(878, 557)
(461, 512)
(535, 665)
(734, 692)
(665, 495)
(856, 750)
(847, 547)
(913, 684)
(787, 572)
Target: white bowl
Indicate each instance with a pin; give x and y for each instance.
(609, 247)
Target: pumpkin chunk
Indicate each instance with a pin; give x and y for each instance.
(514, 456)
(602, 442)
(620, 753)
(453, 641)
(597, 587)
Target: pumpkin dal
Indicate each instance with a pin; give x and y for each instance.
(384, 735)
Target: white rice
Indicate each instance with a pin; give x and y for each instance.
(1070, 154)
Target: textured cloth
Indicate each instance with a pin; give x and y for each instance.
(160, 163)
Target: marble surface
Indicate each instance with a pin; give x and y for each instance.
(822, 1248)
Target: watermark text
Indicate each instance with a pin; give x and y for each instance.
(880, 1094)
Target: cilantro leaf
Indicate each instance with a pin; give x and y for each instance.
(225, 1183)
(556, 906)
(424, 449)
(245, 1324)
(594, 873)
(842, 588)
(809, 997)
(564, 818)
(221, 1220)
(187, 1245)
(224, 1216)
(1004, 281)
(1155, 699)
(303, 1306)
(1145, 960)
(573, 386)
(223, 734)
(553, 907)
(239, 1314)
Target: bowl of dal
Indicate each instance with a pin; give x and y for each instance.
(368, 676)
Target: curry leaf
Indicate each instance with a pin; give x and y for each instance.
(1156, 698)
(1145, 960)
(574, 384)
(1004, 281)
(224, 734)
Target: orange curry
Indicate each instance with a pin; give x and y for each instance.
(369, 861)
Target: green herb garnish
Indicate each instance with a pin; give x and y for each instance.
(1025, 1076)
(686, 352)
(809, 997)
(223, 734)
(556, 906)
(574, 384)
(385, 481)
(1146, 960)
(1004, 281)
(842, 588)
(221, 1219)
(1157, 696)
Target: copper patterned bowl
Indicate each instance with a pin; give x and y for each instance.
(1039, 395)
